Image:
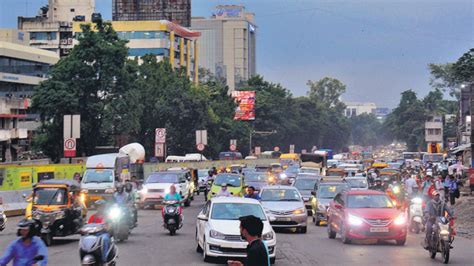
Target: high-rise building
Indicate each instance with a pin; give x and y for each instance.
(51, 29)
(227, 46)
(176, 11)
(14, 36)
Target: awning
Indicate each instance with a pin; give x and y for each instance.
(461, 148)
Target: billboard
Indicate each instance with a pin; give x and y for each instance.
(246, 105)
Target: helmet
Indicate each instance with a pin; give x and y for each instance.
(29, 224)
(119, 188)
(128, 187)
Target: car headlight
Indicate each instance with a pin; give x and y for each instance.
(417, 200)
(144, 190)
(299, 211)
(115, 213)
(217, 235)
(400, 220)
(283, 176)
(444, 232)
(354, 220)
(109, 191)
(268, 236)
(396, 189)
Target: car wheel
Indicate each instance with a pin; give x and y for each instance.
(331, 233)
(401, 242)
(303, 229)
(205, 257)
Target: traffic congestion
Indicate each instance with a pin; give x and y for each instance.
(356, 197)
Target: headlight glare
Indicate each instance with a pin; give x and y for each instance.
(299, 211)
(400, 220)
(115, 213)
(354, 220)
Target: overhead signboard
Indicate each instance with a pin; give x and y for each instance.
(160, 135)
(245, 105)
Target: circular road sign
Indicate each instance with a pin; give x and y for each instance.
(200, 147)
(276, 148)
(70, 144)
(232, 147)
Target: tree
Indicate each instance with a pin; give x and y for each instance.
(327, 91)
(365, 130)
(83, 83)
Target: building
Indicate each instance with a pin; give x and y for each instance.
(51, 29)
(357, 108)
(14, 36)
(160, 38)
(21, 69)
(176, 11)
(228, 44)
(434, 133)
(382, 112)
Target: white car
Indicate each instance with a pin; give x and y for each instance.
(157, 185)
(218, 228)
(357, 183)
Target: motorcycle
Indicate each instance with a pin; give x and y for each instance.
(3, 221)
(171, 213)
(120, 222)
(416, 215)
(91, 243)
(441, 238)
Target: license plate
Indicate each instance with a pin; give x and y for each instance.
(379, 229)
(283, 219)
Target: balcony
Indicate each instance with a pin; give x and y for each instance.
(15, 133)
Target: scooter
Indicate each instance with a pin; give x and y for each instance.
(172, 220)
(416, 215)
(441, 238)
(91, 243)
(3, 221)
(120, 222)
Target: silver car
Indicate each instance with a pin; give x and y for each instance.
(285, 207)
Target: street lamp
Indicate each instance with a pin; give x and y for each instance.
(261, 133)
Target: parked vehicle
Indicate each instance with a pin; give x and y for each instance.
(217, 228)
(157, 185)
(91, 243)
(171, 214)
(285, 204)
(366, 214)
(58, 206)
(441, 238)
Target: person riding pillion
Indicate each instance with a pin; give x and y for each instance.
(434, 209)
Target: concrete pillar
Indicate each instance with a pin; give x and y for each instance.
(172, 48)
(196, 62)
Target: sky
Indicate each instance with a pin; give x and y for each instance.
(377, 48)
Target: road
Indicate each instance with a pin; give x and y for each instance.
(150, 244)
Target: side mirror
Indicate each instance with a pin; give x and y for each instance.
(202, 217)
(313, 193)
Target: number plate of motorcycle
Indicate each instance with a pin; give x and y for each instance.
(379, 229)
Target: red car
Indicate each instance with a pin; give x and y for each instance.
(366, 214)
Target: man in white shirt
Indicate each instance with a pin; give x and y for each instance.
(410, 183)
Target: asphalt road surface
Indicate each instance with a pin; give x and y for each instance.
(150, 244)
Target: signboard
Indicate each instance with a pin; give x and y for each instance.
(292, 148)
(200, 146)
(233, 145)
(246, 105)
(72, 126)
(160, 135)
(70, 147)
(276, 148)
(159, 150)
(258, 150)
(201, 137)
(229, 11)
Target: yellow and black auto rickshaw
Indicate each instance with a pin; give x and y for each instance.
(58, 206)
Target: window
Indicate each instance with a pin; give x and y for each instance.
(437, 131)
(72, 10)
(354, 112)
(430, 131)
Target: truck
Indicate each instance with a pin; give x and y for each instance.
(102, 174)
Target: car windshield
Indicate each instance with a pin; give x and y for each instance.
(369, 201)
(98, 176)
(50, 196)
(305, 184)
(292, 170)
(233, 211)
(357, 183)
(230, 180)
(309, 170)
(203, 173)
(334, 173)
(162, 178)
(329, 191)
(256, 177)
(280, 195)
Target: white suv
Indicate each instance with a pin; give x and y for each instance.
(157, 185)
(218, 228)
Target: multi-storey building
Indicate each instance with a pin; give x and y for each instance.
(176, 11)
(357, 108)
(228, 44)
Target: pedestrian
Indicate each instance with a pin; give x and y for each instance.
(411, 186)
(25, 249)
(251, 228)
(453, 190)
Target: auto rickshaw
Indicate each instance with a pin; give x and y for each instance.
(59, 208)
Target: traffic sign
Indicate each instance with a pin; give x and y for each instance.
(292, 148)
(69, 147)
(232, 147)
(276, 148)
(200, 146)
(201, 137)
(159, 150)
(258, 150)
(160, 135)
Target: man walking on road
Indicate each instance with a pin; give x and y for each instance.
(257, 253)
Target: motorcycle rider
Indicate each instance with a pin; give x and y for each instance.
(172, 196)
(223, 192)
(122, 198)
(133, 196)
(411, 186)
(434, 209)
(210, 177)
(100, 218)
(24, 249)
